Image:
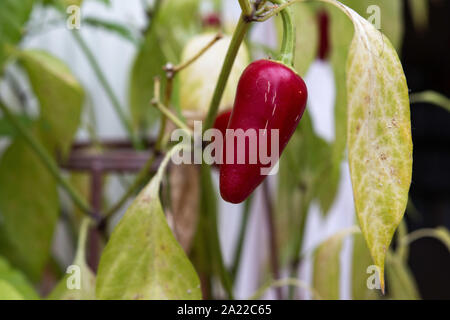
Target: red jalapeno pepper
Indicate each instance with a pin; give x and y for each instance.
(269, 96)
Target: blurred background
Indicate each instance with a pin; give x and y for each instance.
(425, 54)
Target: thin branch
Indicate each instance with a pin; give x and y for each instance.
(143, 176)
(172, 70)
(241, 239)
(236, 40)
(166, 112)
(274, 254)
(246, 7)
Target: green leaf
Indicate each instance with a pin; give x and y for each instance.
(142, 259)
(326, 274)
(8, 292)
(28, 209)
(431, 97)
(378, 135)
(443, 234)
(361, 260)
(148, 65)
(17, 280)
(6, 129)
(402, 285)
(13, 17)
(87, 277)
(60, 97)
(171, 28)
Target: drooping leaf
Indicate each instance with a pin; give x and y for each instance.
(167, 33)
(60, 97)
(326, 274)
(8, 292)
(378, 135)
(86, 291)
(142, 259)
(431, 97)
(17, 279)
(28, 209)
(443, 234)
(13, 17)
(361, 261)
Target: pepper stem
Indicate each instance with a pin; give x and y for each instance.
(288, 45)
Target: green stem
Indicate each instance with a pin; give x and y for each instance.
(143, 176)
(47, 160)
(172, 117)
(108, 89)
(288, 45)
(209, 217)
(246, 7)
(299, 244)
(241, 239)
(238, 37)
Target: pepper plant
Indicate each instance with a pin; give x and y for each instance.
(166, 245)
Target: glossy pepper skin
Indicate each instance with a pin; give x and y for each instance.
(269, 96)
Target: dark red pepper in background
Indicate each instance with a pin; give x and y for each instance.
(323, 22)
(212, 20)
(269, 96)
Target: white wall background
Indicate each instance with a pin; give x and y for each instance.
(116, 55)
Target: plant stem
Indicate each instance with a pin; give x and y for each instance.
(241, 239)
(246, 7)
(107, 87)
(47, 160)
(208, 216)
(172, 117)
(188, 62)
(140, 179)
(274, 255)
(288, 45)
(299, 243)
(238, 37)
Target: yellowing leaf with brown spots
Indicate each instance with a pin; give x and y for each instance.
(142, 259)
(378, 135)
